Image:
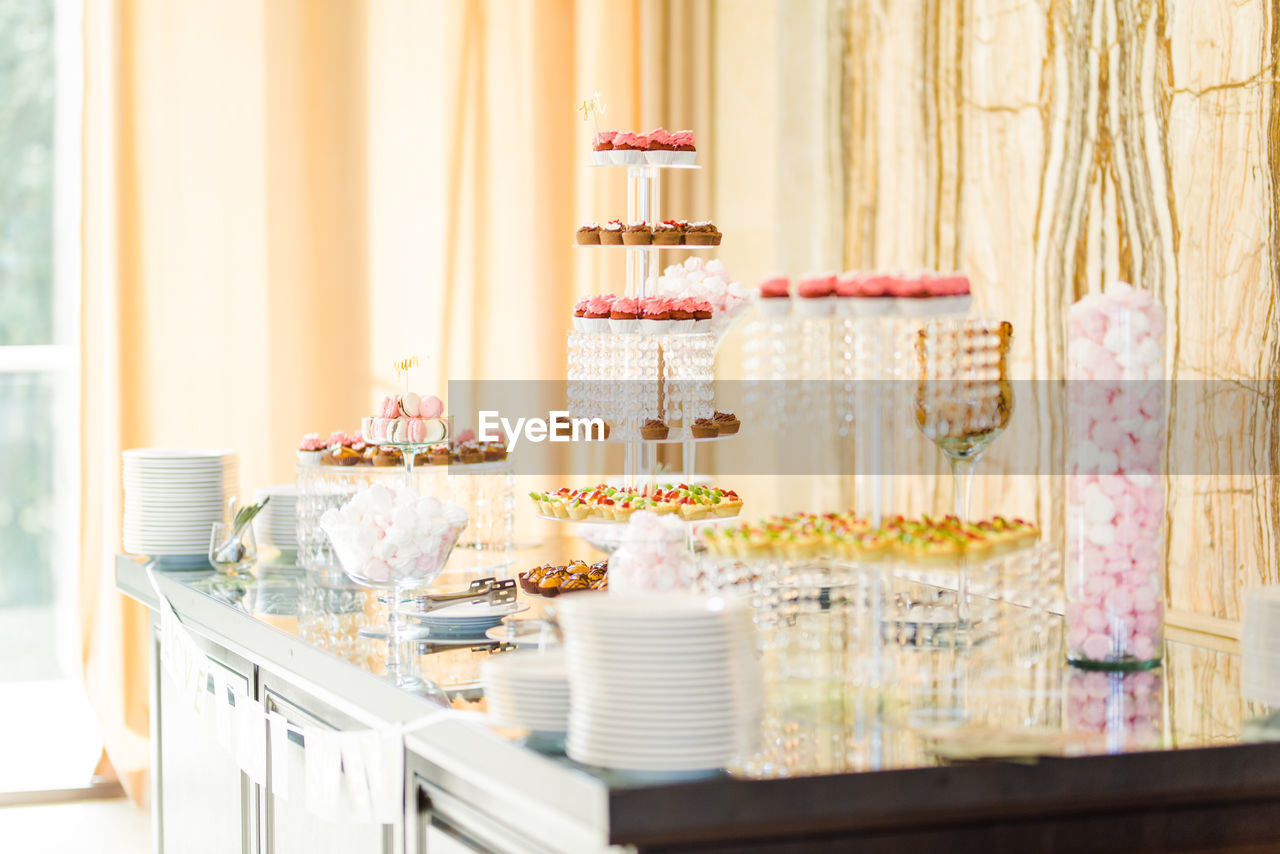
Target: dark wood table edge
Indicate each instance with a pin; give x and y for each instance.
(727, 809)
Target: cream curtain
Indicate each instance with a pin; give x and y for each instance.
(284, 196)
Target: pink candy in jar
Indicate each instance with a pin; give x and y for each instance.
(1115, 486)
(1127, 708)
(653, 556)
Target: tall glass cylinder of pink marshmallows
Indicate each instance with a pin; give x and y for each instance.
(1117, 417)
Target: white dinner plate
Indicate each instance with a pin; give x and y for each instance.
(649, 605)
(162, 454)
(655, 745)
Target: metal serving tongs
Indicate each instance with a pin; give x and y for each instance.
(489, 590)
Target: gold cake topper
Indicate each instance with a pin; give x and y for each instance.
(402, 369)
(593, 108)
(403, 366)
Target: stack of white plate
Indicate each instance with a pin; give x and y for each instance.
(277, 524)
(1260, 646)
(466, 619)
(529, 690)
(660, 682)
(172, 497)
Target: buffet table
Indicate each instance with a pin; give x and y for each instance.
(287, 638)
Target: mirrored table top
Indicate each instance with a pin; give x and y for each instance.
(1013, 698)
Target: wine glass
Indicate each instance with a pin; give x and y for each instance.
(964, 399)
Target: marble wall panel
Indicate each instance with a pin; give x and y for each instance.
(1050, 147)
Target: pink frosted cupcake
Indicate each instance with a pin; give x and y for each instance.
(628, 149)
(863, 294)
(682, 315)
(655, 316)
(816, 291)
(311, 448)
(596, 313)
(952, 294)
(661, 150)
(624, 315)
(775, 297)
(601, 146)
(580, 313)
(911, 291)
(702, 314)
(682, 143)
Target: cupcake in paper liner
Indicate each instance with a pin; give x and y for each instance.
(311, 449)
(952, 293)
(682, 142)
(864, 294)
(602, 148)
(815, 294)
(596, 312)
(628, 149)
(702, 315)
(660, 150)
(624, 316)
(655, 316)
(774, 298)
(580, 313)
(911, 290)
(682, 315)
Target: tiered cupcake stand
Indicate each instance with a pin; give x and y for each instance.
(628, 377)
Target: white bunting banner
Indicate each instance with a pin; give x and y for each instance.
(355, 747)
(357, 772)
(221, 711)
(251, 739)
(384, 768)
(279, 728)
(324, 771)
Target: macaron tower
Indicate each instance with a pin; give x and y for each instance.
(407, 419)
(1115, 489)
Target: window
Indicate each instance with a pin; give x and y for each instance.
(49, 738)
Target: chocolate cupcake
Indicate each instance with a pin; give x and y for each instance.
(727, 422)
(470, 452)
(637, 234)
(704, 428)
(384, 457)
(654, 428)
(611, 233)
(589, 234)
(343, 456)
(702, 234)
(668, 233)
(438, 455)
